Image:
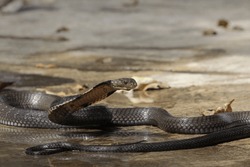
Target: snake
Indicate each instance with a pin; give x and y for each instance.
(40, 110)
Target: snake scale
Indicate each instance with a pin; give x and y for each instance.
(39, 110)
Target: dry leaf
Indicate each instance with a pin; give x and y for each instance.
(147, 83)
(143, 97)
(208, 112)
(226, 108)
(238, 28)
(133, 3)
(223, 23)
(40, 65)
(144, 84)
(69, 89)
(62, 29)
(209, 32)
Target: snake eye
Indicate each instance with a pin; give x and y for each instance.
(129, 83)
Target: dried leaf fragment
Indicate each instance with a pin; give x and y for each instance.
(226, 108)
(223, 23)
(238, 28)
(209, 32)
(62, 29)
(133, 3)
(147, 83)
(144, 84)
(142, 97)
(70, 89)
(41, 65)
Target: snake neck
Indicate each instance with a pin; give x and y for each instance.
(62, 109)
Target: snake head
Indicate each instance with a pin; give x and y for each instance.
(123, 84)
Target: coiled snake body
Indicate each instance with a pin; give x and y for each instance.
(39, 110)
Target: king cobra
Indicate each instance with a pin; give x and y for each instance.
(39, 110)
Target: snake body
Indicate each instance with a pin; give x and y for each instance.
(40, 110)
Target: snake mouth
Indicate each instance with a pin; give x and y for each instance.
(124, 83)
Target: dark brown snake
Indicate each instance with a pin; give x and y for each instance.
(40, 110)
